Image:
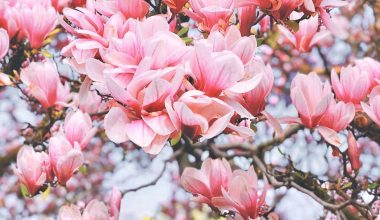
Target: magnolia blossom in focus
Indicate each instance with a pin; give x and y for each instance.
(208, 182)
(65, 159)
(200, 115)
(311, 98)
(307, 35)
(373, 109)
(78, 128)
(254, 100)
(242, 195)
(215, 72)
(4, 43)
(43, 83)
(38, 21)
(353, 85)
(33, 169)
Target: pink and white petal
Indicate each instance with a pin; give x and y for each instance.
(246, 85)
(329, 135)
(115, 125)
(140, 133)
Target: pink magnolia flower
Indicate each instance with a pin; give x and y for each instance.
(215, 72)
(353, 85)
(311, 98)
(10, 19)
(338, 116)
(134, 8)
(353, 152)
(33, 169)
(200, 115)
(307, 35)
(115, 202)
(372, 67)
(88, 27)
(65, 158)
(146, 122)
(247, 16)
(95, 210)
(4, 43)
(373, 109)
(232, 40)
(209, 13)
(254, 100)
(148, 44)
(208, 182)
(37, 22)
(43, 82)
(78, 128)
(242, 195)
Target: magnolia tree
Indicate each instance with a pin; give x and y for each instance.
(242, 109)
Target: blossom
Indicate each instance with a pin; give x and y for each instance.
(78, 128)
(307, 35)
(232, 40)
(200, 115)
(373, 109)
(372, 67)
(146, 121)
(242, 195)
(338, 116)
(43, 82)
(4, 43)
(311, 98)
(353, 85)
(133, 8)
(33, 169)
(254, 101)
(37, 22)
(65, 159)
(215, 72)
(209, 13)
(208, 182)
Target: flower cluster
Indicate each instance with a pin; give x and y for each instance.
(161, 86)
(64, 156)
